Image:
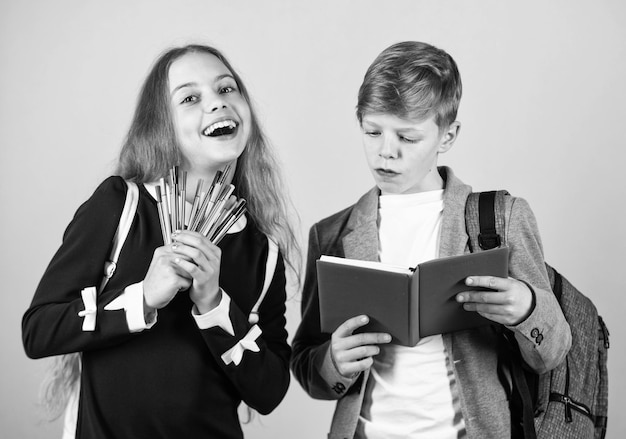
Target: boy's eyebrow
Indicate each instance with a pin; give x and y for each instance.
(372, 125)
(192, 84)
(417, 130)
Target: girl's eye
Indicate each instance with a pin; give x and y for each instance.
(227, 89)
(189, 99)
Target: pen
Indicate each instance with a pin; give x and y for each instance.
(200, 215)
(174, 198)
(229, 207)
(196, 203)
(210, 208)
(166, 199)
(164, 223)
(238, 212)
(183, 201)
(217, 208)
(225, 173)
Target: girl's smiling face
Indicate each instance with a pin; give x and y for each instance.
(211, 118)
(402, 154)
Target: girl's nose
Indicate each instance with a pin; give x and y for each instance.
(214, 103)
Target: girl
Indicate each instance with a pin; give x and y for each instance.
(157, 363)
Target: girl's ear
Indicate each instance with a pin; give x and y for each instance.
(449, 136)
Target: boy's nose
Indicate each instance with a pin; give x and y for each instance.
(388, 149)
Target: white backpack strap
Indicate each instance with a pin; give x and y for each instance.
(270, 267)
(126, 220)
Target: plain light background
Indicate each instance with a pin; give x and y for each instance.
(542, 114)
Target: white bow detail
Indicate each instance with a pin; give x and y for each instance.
(235, 354)
(89, 313)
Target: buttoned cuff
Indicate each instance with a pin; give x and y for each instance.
(337, 382)
(218, 316)
(131, 301)
(540, 319)
(544, 337)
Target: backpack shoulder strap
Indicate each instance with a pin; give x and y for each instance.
(270, 267)
(486, 228)
(126, 220)
(485, 219)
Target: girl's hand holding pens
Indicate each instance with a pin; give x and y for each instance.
(352, 353)
(164, 278)
(200, 260)
(510, 302)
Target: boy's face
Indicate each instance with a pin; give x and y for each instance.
(402, 154)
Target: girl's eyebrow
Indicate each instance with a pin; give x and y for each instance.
(224, 75)
(187, 84)
(192, 84)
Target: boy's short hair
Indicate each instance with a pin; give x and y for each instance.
(412, 80)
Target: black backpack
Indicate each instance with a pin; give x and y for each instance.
(573, 397)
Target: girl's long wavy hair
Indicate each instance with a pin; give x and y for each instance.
(149, 152)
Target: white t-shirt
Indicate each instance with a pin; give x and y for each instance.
(408, 394)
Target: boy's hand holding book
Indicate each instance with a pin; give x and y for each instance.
(352, 353)
(508, 301)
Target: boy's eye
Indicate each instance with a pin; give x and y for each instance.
(408, 140)
(372, 133)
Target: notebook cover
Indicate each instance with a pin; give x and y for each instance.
(348, 291)
(440, 280)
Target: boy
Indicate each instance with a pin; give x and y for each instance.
(447, 386)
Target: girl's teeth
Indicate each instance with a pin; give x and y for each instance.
(223, 124)
(219, 125)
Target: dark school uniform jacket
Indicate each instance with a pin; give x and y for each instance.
(167, 381)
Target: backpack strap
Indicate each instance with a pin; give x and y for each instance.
(485, 225)
(521, 399)
(602, 399)
(121, 233)
(484, 219)
(270, 267)
(126, 220)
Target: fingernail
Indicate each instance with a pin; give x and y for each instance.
(387, 337)
(469, 281)
(174, 246)
(364, 319)
(460, 298)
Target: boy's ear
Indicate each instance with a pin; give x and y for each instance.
(449, 136)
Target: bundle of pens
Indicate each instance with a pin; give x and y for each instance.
(213, 211)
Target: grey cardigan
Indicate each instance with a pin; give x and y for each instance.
(353, 233)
